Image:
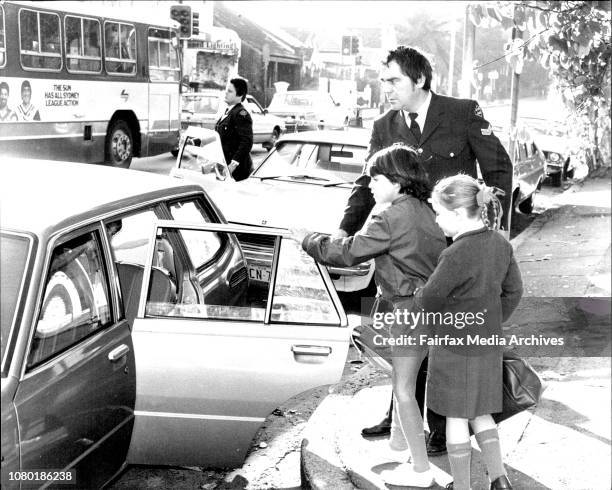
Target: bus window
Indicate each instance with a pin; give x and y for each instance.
(39, 38)
(2, 42)
(119, 48)
(163, 57)
(82, 44)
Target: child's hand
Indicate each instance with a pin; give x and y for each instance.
(298, 234)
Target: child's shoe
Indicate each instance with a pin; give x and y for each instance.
(396, 456)
(405, 476)
(501, 483)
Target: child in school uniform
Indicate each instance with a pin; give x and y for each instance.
(405, 242)
(477, 281)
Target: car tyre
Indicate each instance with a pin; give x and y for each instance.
(556, 179)
(528, 205)
(119, 145)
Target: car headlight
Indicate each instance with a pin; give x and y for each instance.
(554, 157)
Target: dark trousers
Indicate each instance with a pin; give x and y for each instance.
(436, 422)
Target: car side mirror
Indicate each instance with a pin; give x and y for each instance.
(337, 104)
(265, 111)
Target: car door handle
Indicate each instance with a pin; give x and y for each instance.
(311, 350)
(118, 352)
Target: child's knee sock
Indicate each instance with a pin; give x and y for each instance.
(488, 441)
(460, 457)
(410, 421)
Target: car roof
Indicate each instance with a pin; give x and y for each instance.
(290, 92)
(39, 195)
(356, 137)
(203, 92)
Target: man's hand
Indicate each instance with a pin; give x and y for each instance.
(233, 166)
(339, 234)
(298, 234)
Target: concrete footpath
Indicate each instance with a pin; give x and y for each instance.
(564, 443)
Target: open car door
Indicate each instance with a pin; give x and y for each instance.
(200, 153)
(221, 340)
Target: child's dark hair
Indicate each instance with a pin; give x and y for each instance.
(400, 164)
(463, 191)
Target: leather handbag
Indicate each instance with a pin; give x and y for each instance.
(522, 386)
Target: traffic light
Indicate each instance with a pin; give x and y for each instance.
(355, 45)
(346, 45)
(182, 14)
(195, 23)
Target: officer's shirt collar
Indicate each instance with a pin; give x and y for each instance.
(422, 112)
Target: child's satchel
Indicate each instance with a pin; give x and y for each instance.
(522, 386)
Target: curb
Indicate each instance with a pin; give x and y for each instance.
(320, 466)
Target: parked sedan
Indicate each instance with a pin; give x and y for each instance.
(304, 110)
(203, 109)
(557, 145)
(529, 167)
(133, 330)
(304, 182)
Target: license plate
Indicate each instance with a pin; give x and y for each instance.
(261, 274)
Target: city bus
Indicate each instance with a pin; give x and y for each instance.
(86, 82)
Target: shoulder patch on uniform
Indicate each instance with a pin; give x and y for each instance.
(478, 110)
(487, 131)
(243, 112)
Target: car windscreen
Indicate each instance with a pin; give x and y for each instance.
(335, 162)
(14, 252)
(202, 104)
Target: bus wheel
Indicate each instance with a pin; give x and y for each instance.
(119, 145)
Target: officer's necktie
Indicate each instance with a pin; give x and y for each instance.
(414, 125)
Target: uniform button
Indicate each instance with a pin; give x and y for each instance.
(452, 154)
(420, 150)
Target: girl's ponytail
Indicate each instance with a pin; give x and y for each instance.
(463, 191)
(490, 206)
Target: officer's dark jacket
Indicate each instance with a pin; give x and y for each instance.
(236, 132)
(454, 137)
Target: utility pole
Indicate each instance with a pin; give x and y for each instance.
(514, 91)
(467, 64)
(451, 62)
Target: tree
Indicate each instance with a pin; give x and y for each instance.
(572, 40)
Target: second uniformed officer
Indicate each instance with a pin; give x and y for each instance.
(235, 128)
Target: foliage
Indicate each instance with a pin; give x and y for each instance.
(572, 40)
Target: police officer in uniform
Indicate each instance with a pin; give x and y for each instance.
(450, 135)
(235, 128)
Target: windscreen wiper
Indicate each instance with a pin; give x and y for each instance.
(307, 177)
(294, 177)
(335, 184)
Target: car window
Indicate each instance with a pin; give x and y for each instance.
(75, 300)
(288, 158)
(300, 295)
(331, 161)
(14, 253)
(130, 236)
(238, 288)
(202, 104)
(202, 247)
